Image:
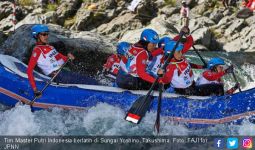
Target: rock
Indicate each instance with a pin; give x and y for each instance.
(199, 9)
(163, 27)
(146, 10)
(250, 21)
(217, 15)
(3, 37)
(32, 18)
(245, 41)
(201, 22)
(236, 26)
(89, 48)
(6, 24)
(50, 17)
(5, 9)
(67, 9)
(225, 21)
(169, 10)
(203, 36)
(233, 46)
(160, 3)
(159, 24)
(249, 40)
(88, 19)
(122, 23)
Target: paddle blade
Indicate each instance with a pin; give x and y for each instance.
(139, 109)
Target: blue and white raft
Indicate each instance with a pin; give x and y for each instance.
(194, 111)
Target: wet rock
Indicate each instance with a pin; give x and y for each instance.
(89, 48)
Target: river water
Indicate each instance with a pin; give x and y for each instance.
(104, 119)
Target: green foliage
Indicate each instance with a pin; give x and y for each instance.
(52, 7)
(170, 2)
(26, 2)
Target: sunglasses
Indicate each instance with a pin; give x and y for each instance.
(44, 34)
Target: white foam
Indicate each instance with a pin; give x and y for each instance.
(18, 121)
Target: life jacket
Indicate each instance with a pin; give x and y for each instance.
(49, 59)
(201, 80)
(183, 76)
(113, 64)
(130, 67)
(154, 65)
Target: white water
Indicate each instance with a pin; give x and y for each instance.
(105, 119)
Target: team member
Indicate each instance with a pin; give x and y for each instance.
(112, 65)
(210, 82)
(49, 60)
(179, 73)
(132, 74)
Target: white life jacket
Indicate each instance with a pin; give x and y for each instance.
(154, 65)
(183, 80)
(201, 80)
(47, 62)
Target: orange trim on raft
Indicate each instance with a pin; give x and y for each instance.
(36, 104)
(175, 119)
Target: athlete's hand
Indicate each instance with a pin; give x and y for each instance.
(185, 30)
(160, 72)
(230, 69)
(237, 85)
(70, 56)
(37, 94)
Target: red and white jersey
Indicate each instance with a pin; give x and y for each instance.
(48, 60)
(209, 77)
(130, 66)
(179, 74)
(113, 64)
(251, 5)
(136, 62)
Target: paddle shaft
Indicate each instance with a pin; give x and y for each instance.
(157, 122)
(170, 56)
(234, 76)
(202, 59)
(49, 82)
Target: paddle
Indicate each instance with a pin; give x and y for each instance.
(142, 104)
(48, 83)
(202, 59)
(157, 122)
(234, 76)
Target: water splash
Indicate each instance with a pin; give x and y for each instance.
(103, 119)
